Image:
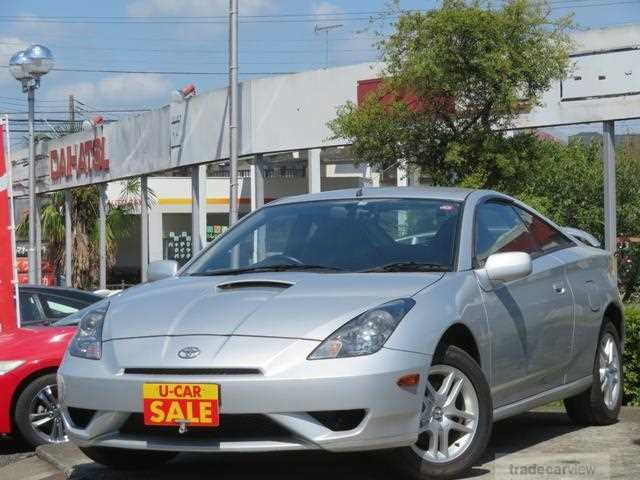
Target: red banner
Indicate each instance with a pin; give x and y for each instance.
(8, 319)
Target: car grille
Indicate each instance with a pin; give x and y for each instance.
(232, 427)
(192, 371)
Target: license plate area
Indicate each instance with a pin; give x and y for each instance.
(181, 404)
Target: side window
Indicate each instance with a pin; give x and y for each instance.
(499, 229)
(58, 307)
(29, 311)
(547, 237)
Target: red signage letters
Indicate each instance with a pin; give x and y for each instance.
(79, 159)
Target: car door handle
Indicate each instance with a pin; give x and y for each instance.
(559, 288)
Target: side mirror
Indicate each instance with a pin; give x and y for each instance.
(162, 269)
(506, 267)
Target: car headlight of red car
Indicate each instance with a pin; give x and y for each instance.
(87, 342)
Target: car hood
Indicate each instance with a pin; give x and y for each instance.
(284, 305)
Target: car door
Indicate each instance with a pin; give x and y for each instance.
(531, 319)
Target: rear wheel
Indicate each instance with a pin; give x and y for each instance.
(455, 420)
(600, 404)
(37, 415)
(127, 459)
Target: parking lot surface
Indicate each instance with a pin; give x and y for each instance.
(532, 440)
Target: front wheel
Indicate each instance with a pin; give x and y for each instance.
(37, 414)
(121, 459)
(455, 419)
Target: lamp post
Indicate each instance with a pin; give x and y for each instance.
(27, 66)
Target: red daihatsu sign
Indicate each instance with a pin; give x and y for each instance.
(78, 160)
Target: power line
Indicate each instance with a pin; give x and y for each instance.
(179, 17)
(185, 22)
(164, 51)
(116, 110)
(154, 72)
(276, 18)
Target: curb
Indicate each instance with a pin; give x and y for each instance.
(65, 457)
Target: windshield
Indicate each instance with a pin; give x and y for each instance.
(338, 236)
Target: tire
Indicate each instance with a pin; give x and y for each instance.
(38, 404)
(121, 459)
(593, 407)
(417, 461)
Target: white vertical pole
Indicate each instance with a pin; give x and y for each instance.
(233, 111)
(38, 224)
(102, 227)
(314, 171)
(144, 228)
(257, 182)
(68, 239)
(202, 202)
(198, 207)
(609, 161)
(33, 269)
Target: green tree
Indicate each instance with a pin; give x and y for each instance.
(454, 77)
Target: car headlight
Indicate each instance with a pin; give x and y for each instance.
(7, 365)
(366, 334)
(87, 342)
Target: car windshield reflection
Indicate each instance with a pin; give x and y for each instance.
(338, 236)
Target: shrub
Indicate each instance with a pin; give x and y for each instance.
(632, 356)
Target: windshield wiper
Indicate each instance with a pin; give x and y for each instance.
(408, 267)
(270, 268)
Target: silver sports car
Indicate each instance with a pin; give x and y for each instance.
(400, 319)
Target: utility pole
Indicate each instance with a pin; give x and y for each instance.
(32, 253)
(72, 114)
(326, 29)
(233, 111)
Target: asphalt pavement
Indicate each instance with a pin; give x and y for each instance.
(540, 444)
(12, 451)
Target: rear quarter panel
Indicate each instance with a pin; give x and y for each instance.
(594, 288)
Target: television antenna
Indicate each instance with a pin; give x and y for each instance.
(326, 29)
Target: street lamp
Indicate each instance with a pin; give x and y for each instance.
(27, 66)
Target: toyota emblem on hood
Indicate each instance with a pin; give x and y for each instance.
(187, 353)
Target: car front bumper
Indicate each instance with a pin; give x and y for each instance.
(286, 392)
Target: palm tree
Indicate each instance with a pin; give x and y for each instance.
(85, 229)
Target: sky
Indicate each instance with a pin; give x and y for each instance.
(145, 35)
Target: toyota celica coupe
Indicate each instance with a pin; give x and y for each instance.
(398, 319)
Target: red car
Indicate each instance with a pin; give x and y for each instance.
(29, 359)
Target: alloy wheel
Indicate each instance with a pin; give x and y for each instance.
(609, 369)
(449, 416)
(45, 415)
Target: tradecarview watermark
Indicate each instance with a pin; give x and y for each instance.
(556, 466)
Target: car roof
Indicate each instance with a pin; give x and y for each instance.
(62, 291)
(434, 193)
